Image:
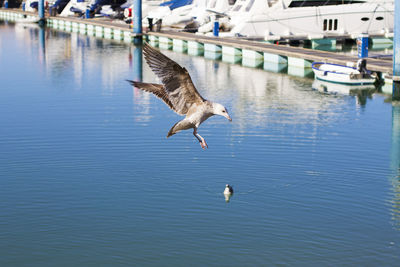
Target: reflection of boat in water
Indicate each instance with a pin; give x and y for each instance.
(361, 92)
(337, 88)
(335, 73)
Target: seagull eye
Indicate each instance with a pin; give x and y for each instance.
(223, 111)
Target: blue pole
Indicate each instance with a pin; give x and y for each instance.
(216, 28)
(41, 9)
(5, 4)
(362, 46)
(396, 51)
(137, 17)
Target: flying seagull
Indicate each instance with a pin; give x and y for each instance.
(179, 93)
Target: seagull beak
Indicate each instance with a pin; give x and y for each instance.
(228, 117)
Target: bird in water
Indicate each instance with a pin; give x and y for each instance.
(228, 190)
(179, 93)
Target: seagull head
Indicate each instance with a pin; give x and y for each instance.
(219, 109)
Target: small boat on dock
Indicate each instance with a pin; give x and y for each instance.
(335, 73)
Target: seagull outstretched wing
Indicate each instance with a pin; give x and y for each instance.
(178, 85)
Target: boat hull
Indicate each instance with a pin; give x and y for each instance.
(315, 22)
(341, 74)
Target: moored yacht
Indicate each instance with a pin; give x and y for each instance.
(275, 19)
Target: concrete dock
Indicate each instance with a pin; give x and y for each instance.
(310, 55)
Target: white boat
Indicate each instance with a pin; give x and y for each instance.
(79, 7)
(276, 19)
(23, 21)
(199, 11)
(147, 6)
(75, 6)
(335, 73)
(172, 12)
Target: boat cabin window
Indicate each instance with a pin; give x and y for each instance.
(330, 25)
(379, 18)
(304, 3)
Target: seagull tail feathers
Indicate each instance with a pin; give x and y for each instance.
(179, 126)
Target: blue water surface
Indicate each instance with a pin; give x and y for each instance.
(88, 178)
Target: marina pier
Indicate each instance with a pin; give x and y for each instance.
(234, 50)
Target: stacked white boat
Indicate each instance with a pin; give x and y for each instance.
(267, 19)
(276, 19)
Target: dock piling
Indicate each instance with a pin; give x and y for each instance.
(87, 13)
(362, 46)
(216, 29)
(137, 18)
(41, 9)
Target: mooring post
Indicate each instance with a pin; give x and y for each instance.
(362, 46)
(87, 13)
(216, 28)
(137, 18)
(41, 9)
(396, 52)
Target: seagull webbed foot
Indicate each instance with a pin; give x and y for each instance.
(203, 144)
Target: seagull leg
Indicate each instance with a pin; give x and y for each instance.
(200, 138)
